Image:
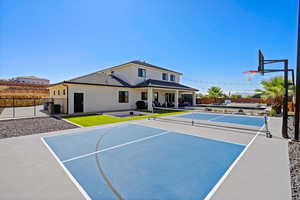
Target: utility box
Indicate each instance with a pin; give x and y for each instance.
(54, 108)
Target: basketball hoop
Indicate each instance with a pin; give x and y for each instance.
(250, 74)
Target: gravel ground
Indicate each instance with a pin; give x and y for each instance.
(294, 157)
(19, 127)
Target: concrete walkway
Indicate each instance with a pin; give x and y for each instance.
(29, 171)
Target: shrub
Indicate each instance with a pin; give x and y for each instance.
(273, 113)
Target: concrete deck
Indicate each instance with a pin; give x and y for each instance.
(263, 171)
(29, 171)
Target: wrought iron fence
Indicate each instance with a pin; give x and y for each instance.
(16, 107)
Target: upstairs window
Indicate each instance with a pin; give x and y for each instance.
(53, 92)
(144, 96)
(172, 77)
(123, 96)
(164, 76)
(64, 91)
(141, 72)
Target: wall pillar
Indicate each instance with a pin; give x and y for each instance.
(194, 98)
(150, 98)
(176, 98)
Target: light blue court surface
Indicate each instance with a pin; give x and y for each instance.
(241, 120)
(139, 162)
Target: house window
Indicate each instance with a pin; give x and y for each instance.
(172, 77)
(58, 92)
(123, 96)
(141, 72)
(53, 92)
(64, 91)
(164, 76)
(144, 95)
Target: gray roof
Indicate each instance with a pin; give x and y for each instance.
(163, 84)
(143, 63)
(102, 78)
(99, 78)
(150, 65)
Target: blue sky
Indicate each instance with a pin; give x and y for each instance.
(210, 42)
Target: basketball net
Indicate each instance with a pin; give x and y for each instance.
(250, 74)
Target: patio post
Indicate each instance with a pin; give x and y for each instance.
(176, 98)
(194, 98)
(150, 98)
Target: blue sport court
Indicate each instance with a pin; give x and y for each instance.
(133, 161)
(231, 119)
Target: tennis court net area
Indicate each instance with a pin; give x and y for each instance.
(217, 120)
(184, 156)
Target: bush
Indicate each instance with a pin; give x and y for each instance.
(141, 105)
(273, 113)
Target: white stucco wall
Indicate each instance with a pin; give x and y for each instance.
(60, 96)
(100, 98)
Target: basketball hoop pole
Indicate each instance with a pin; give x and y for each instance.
(286, 70)
(285, 100)
(297, 105)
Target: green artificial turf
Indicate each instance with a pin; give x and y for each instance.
(92, 120)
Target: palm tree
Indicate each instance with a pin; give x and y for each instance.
(215, 92)
(274, 88)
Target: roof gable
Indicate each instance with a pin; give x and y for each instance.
(137, 62)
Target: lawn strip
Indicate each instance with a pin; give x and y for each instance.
(93, 120)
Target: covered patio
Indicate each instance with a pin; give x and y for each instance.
(166, 94)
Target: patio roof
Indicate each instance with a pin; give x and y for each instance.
(164, 84)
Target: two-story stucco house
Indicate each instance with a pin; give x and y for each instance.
(120, 87)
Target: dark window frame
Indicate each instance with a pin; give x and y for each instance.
(165, 76)
(123, 97)
(53, 92)
(144, 96)
(58, 92)
(64, 92)
(141, 72)
(172, 77)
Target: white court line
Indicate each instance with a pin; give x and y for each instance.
(117, 146)
(72, 123)
(219, 183)
(81, 190)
